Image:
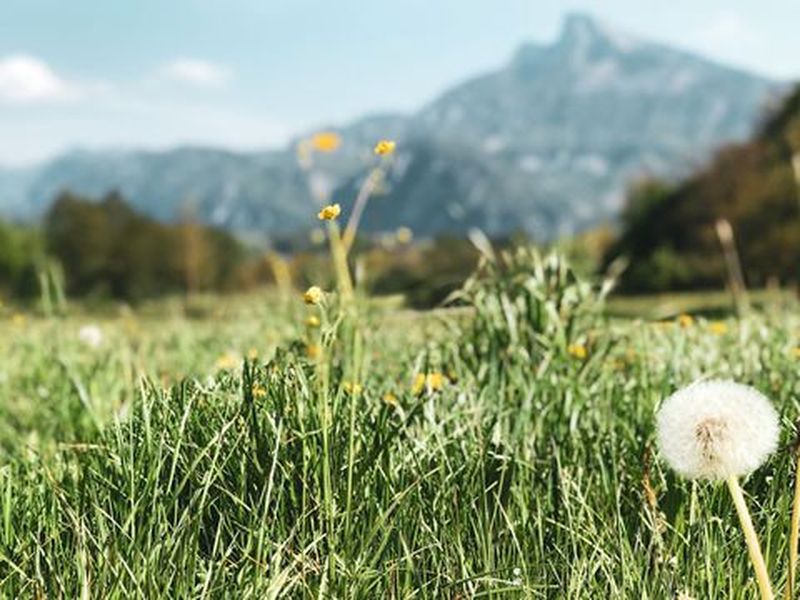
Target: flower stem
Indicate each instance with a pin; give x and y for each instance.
(358, 208)
(794, 531)
(339, 255)
(753, 547)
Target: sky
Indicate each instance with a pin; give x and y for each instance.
(250, 74)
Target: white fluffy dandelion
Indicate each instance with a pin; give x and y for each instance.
(717, 429)
(91, 335)
(721, 430)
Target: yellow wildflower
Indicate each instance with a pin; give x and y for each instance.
(313, 351)
(259, 391)
(685, 320)
(252, 354)
(18, 320)
(312, 322)
(796, 352)
(329, 212)
(227, 362)
(427, 381)
(577, 351)
(313, 295)
(352, 388)
(435, 381)
(384, 147)
(718, 327)
(390, 399)
(326, 141)
(404, 235)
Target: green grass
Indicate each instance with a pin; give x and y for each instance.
(150, 468)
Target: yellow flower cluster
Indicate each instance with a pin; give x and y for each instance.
(227, 362)
(354, 389)
(313, 295)
(329, 212)
(384, 147)
(326, 141)
(578, 351)
(685, 320)
(432, 382)
(259, 391)
(718, 327)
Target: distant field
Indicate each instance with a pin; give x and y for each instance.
(705, 303)
(228, 448)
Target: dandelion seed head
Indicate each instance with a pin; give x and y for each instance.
(716, 429)
(91, 335)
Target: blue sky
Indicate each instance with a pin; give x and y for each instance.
(250, 73)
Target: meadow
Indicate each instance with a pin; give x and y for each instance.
(262, 447)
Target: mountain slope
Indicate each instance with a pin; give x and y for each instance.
(567, 126)
(548, 144)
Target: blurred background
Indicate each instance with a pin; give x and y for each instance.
(173, 148)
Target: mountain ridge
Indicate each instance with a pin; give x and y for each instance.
(547, 143)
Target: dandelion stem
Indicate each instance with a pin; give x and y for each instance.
(753, 547)
(793, 533)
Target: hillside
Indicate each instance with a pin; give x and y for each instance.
(669, 232)
(547, 144)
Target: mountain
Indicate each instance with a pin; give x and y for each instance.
(548, 143)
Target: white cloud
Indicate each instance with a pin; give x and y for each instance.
(196, 72)
(26, 79)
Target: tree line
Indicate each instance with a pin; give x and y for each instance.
(106, 249)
